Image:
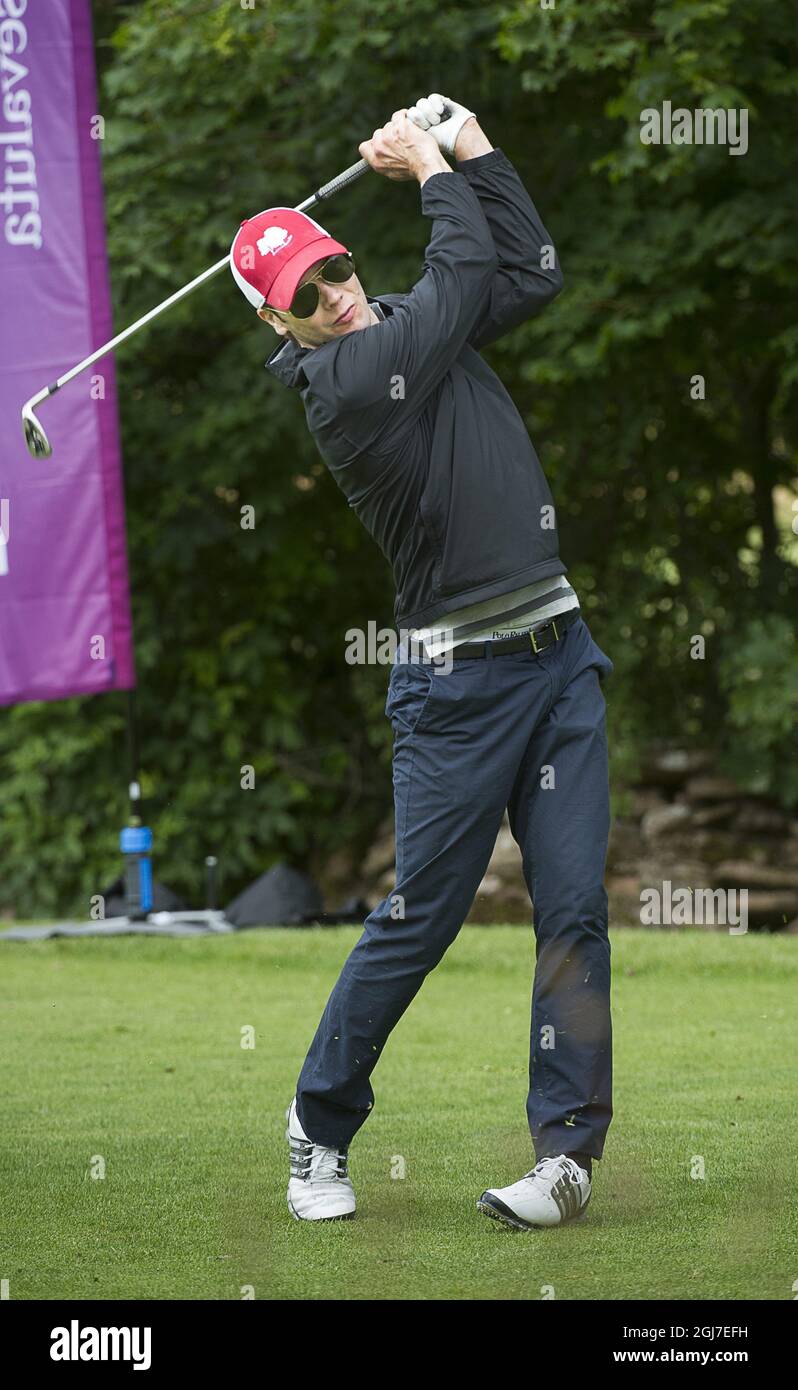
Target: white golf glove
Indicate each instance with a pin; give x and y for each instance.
(426, 114)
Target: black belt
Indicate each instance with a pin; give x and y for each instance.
(537, 641)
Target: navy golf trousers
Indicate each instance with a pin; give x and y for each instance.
(512, 731)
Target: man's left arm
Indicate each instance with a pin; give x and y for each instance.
(529, 274)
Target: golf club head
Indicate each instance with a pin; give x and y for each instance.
(35, 437)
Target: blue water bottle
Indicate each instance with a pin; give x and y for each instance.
(135, 842)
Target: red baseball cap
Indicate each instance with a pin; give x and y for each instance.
(271, 252)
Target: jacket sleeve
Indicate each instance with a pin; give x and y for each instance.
(521, 286)
(385, 374)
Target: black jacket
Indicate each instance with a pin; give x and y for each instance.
(417, 430)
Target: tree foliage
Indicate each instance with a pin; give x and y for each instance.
(675, 513)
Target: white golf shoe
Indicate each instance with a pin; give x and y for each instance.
(556, 1190)
(319, 1188)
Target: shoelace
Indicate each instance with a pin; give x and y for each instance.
(315, 1163)
(545, 1169)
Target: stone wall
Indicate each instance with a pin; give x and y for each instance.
(684, 824)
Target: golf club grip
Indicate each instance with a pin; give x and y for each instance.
(354, 171)
(341, 180)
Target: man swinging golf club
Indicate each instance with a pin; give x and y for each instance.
(430, 451)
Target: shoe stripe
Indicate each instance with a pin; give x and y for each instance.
(558, 1193)
(566, 1197)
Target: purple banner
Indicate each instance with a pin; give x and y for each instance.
(64, 604)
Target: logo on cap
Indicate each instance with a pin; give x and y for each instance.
(273, 240)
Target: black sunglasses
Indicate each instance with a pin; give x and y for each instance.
(305, 302)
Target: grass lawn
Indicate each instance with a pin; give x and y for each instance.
(130, 1051)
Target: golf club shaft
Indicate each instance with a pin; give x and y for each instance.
(38, 444)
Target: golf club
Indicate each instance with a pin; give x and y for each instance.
(39, 446)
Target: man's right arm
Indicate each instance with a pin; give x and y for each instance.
(390, 369)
